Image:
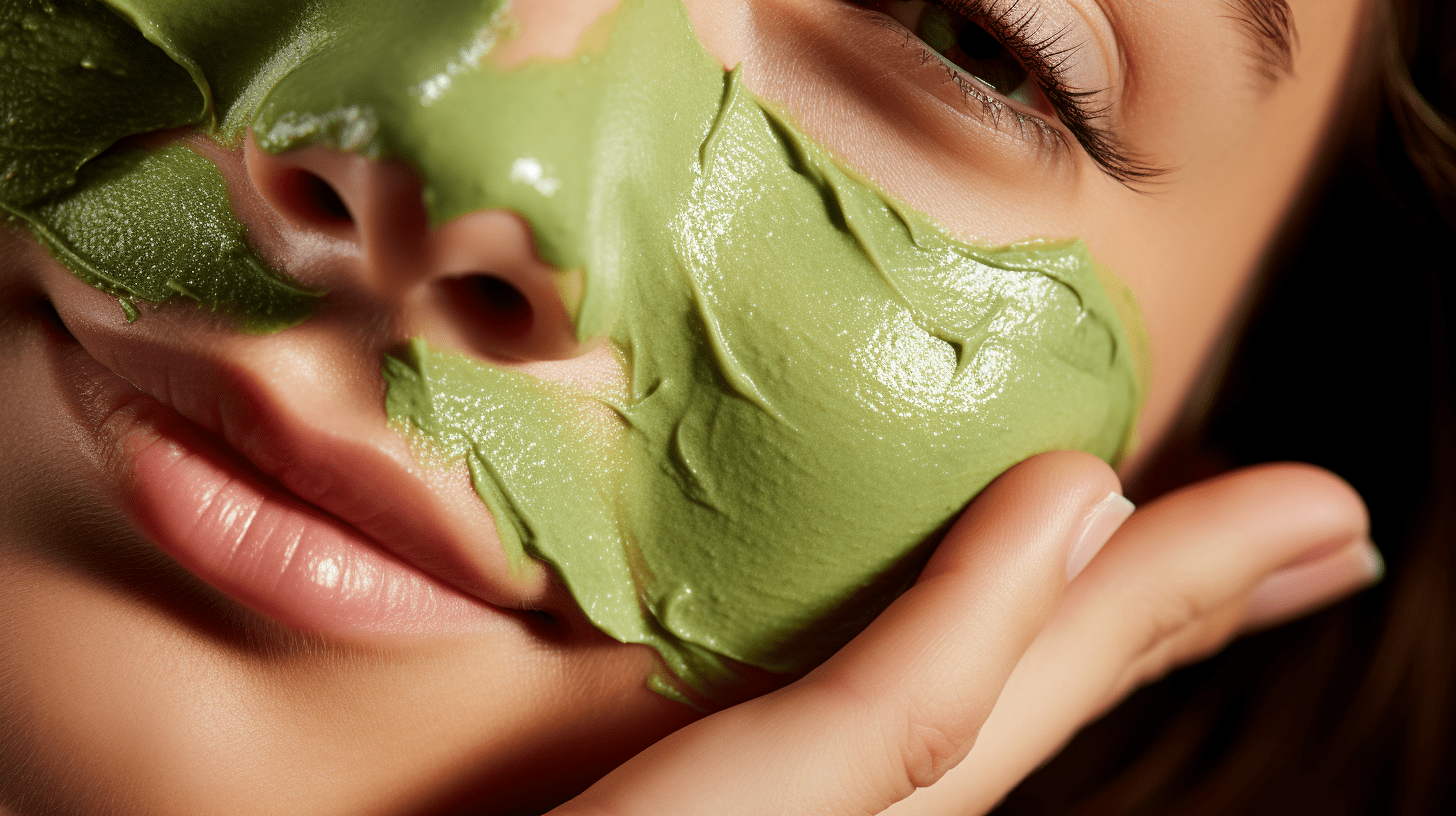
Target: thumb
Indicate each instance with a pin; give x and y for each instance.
(902, 702)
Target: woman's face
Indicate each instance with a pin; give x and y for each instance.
(137, 687)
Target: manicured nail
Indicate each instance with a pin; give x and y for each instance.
(1101, 522)
(1302, 588)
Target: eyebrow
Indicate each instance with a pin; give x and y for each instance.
(1270, 29)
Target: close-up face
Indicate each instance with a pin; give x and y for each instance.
(425, 409)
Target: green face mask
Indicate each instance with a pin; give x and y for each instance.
(820, 378)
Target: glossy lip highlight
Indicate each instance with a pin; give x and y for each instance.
(270, 550)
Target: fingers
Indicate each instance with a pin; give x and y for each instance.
(1178, 580)
(905, 700)
(1191, 564)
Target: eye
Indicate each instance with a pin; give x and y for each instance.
(1006, 50)
(974, 50)
(966, 46)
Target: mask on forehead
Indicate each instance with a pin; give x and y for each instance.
(819, 378)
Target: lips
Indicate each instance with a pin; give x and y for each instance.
(270, 550)
(264, 467)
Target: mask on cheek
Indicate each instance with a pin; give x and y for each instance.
(819, 378)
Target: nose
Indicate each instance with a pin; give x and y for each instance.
(477, 278)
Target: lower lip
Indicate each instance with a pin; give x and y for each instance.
(276, 554)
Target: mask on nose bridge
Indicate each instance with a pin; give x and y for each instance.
(819, 377)
(549, 141)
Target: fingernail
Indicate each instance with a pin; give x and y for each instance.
(1303, 587)
(1101, 522)
(1374, 563)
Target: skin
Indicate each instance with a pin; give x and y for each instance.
(142, 691)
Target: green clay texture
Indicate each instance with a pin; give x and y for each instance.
(158, 226)
(818, 377)
(75, 78)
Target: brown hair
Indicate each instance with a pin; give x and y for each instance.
(1347, 363)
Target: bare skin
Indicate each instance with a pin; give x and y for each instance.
(128, 686)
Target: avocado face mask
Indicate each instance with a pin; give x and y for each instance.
(819, 377)
(75, 78)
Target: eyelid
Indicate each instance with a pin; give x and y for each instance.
(1053, 38)
(1087, 69)
(1100, 30)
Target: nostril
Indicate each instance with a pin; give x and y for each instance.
(314, 199)
(49, 314)
(492, 307)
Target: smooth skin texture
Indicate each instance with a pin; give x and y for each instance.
(127, 687)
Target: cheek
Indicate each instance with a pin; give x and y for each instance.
(845, 378)
(1190, 269)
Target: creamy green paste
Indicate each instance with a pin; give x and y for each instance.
(820, 378)
(74, 79)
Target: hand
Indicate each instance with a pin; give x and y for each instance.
(993, 659)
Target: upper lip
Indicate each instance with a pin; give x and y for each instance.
(339, 457)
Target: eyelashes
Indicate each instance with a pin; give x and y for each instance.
(1045, 58)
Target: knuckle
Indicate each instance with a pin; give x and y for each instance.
(1163, 612)
(928, 752)
(918, 743)
(1197, 638)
